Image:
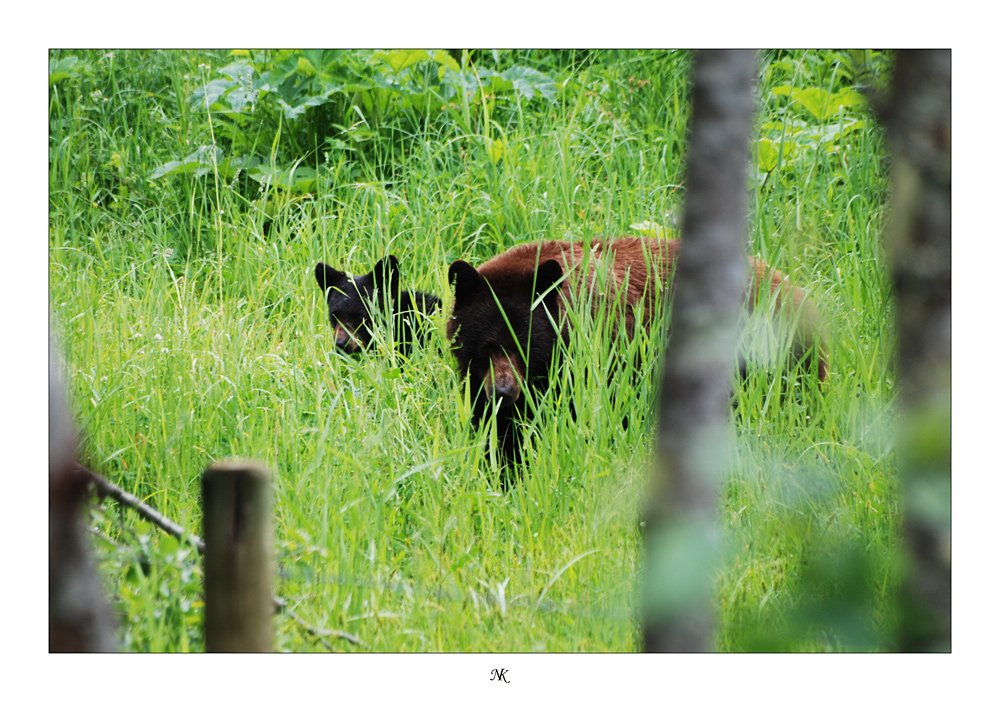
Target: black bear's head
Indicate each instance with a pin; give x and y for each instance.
(352, 300)
(505, 327)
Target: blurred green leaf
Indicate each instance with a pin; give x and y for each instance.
(62, 69)
(495, 149)
(529, 82)
(202, 160)
(771, 153)
(820, 103)
(301, 179)
(445, 59)
(767, 155)
(404, 58)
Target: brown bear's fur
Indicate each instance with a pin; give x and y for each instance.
(507, 348)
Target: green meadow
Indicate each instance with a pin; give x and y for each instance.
(192, 193)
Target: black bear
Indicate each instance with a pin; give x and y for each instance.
(353, 300)
(509, 313)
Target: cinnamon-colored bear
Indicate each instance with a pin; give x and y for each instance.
(509, 313)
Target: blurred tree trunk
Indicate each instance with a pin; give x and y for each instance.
(917, 118)
(79, 617)
(681, 532)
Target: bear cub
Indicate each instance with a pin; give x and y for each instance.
(509, 314)
(353, 301)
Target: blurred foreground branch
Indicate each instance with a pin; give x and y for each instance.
(80, 619)
(681, 531)
(917, 118)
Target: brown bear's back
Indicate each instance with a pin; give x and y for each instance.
(616, 266)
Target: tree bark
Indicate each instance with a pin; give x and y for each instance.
(80, 619)
(918, 124)
(681, 532)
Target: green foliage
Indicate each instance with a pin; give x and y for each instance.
(191, 194)
(812, 124)
(335, 101)
(157, 584)
(62, 69)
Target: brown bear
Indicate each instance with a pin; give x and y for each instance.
(510, 313)
(352, 300)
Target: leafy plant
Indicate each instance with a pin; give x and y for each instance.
(336, 101)
(821, 128)
(810, 124)
(64, 69)
(157, 584)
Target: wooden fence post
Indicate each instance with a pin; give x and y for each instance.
(239, 604)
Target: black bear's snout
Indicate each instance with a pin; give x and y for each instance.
(503, 382)
(345, 340)
(506, 387)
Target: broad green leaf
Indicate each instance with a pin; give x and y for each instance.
(238, 72)
(301, 178)
(289, 94)
(403, 58)
(529, 82)
(168, 167)
(816, 100)
(493, 83)
(772, 153)
(460, 81)
(61, 69)
(820, 103)
(229, 166)
(848, 97)
(421, 102)
(63, 64)
(852, 126)
(209, 94)
(767, 155)
(199, 162)
(317, 59)
(445, 59)
(242, 93)
(305, 66)
(194, 169)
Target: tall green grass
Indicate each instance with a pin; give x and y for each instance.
(191, 332)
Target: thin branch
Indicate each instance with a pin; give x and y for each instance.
(106, 488)
(282, 606)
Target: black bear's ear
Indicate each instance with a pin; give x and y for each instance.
(329, 277)
(466, 280)
(386, 275)
(548, 276)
